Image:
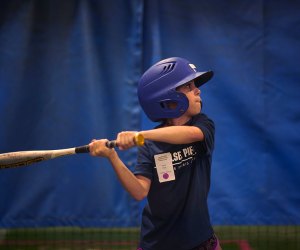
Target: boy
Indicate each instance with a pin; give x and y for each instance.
(173, 167)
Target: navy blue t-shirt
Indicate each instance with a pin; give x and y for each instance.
(176, 215)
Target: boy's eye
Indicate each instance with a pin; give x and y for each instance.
(188, 86)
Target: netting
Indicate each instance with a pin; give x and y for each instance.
(281, 237)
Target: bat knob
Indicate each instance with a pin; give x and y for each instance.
(139, 139)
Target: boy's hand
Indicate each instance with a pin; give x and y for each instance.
(99, 148)
(126, 139)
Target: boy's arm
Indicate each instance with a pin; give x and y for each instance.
(171, 134)
(174, 134)
(137, 186)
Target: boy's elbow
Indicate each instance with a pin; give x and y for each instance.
(197, 134)
(142, 190)
(139, 196)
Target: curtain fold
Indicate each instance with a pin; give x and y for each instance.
(69, 73)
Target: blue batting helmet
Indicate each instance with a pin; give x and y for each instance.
(157, 87)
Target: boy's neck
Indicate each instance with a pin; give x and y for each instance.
(177, 121)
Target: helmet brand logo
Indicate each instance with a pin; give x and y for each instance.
(168, 68)
(193, 67)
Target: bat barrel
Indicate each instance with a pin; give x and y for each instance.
(24, 158)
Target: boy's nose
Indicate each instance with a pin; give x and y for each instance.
(197, 91)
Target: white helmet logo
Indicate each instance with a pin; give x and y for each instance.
(193, 67)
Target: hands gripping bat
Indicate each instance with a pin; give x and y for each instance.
(23, 158)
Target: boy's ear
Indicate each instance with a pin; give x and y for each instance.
(168, 104)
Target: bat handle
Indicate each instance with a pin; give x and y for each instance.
(138, 140)
(111, 144)
(82, 149)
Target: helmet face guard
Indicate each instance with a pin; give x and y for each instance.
(157, 87)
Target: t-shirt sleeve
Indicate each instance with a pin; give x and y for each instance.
(207, 127)
(144, 164)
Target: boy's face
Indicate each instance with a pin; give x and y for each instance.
(193, 95)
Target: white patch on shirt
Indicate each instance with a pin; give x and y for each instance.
(164, 167)
(169, 162)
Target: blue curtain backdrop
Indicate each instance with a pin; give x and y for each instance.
(69, 72)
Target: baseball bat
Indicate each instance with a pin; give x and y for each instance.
(24, 158)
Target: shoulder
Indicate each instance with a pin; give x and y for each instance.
(207, 126)
(201, 119)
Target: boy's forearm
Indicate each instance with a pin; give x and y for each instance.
(128, 180)
(174, 134)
